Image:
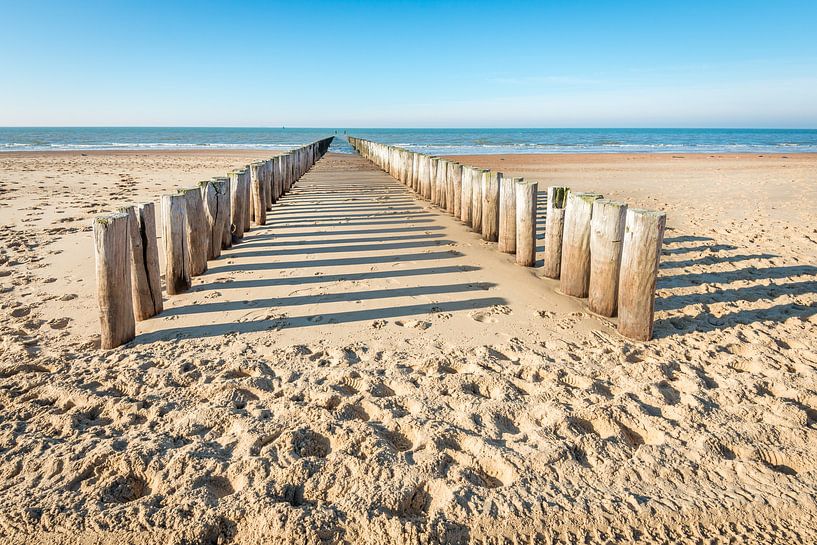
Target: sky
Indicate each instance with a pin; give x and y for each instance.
(409, 64)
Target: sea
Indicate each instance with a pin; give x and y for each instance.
(430, 141)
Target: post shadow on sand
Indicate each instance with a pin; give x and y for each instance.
(290, 322)
(788, 280)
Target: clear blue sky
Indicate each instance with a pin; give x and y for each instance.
(410, 64)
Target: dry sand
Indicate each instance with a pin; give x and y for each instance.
(365, 370)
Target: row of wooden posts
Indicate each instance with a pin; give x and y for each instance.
(197, 224)
(597, 248)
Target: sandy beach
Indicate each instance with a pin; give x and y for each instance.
(364, 369)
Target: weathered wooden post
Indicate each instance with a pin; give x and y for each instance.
(490, 205)
(525, 222)
(575, 273)
(215, 197)
(456, 190)
(476, 198)
(267, 169)
(198, 235)
(146, 287)
(641, 252)
(425, 183)
(435, 165)
(606, 236)
(506, 239)
(177, 253)
(554, 227)
(415, 171)
(247, 203)
(113, 279)
(259, 209)
(236, 205)
(466, 197)
(442, 182)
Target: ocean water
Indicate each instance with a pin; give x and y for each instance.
(432, 141)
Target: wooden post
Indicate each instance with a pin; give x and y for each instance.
(146, 287)
(224, 210)
(177, 253)
(247, 202)
(506, 239)
(525, 222)
(490, 205)
(435, 164)
(210, 201)
(575, 273)
(276, 179)
(476, 198)
(554, 227)
(147, 229)
(415, 170)
(236, 205)
(442, 183)
(268, 183)
(113, 279)
(606, 236)
(466, 197)
(641, 252)
(456, 190)
(198, 233)
(259, 210)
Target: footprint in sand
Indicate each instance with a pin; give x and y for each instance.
(59, 323)
(491, 315)
(416, 324)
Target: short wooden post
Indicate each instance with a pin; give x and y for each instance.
(237, 205)
(525, 222)
(465, 198)
(490, 205)
(113, 279)
(554, 227)
(606, 236)
(575, 273)
(506, 241)
(259, 209)
(198, 233)
(146, 287)
(177, 253)
(476, 198)
(641, 252)
(456, 190)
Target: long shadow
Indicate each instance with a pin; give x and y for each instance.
(707, 321)
(289, 322)
(338, 262)
(746, 293)
(354, 219)
(276, 235)
(357, 223)
(300, 243)
(349, 248)
(702, 248)
(749, 273)
(712, 260)
(348, 296)
(331, 278)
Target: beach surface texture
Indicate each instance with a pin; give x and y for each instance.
(363, 369)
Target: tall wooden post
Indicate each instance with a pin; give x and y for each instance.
(146, 215)
(259, 210)
(506, 241)
(456, 190)
(476, 198)
(525, 222)
(236, 205)
(466, 198)
(490, 205)
(113, 280)
(641, 252)
(177, 253)
(606, 236)
(575, 274)
(554, 227)
(198, 235)
(435, 164)
(146, 287)
(415, 170)
(224, 210)
(247, 203)
(210, 200)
